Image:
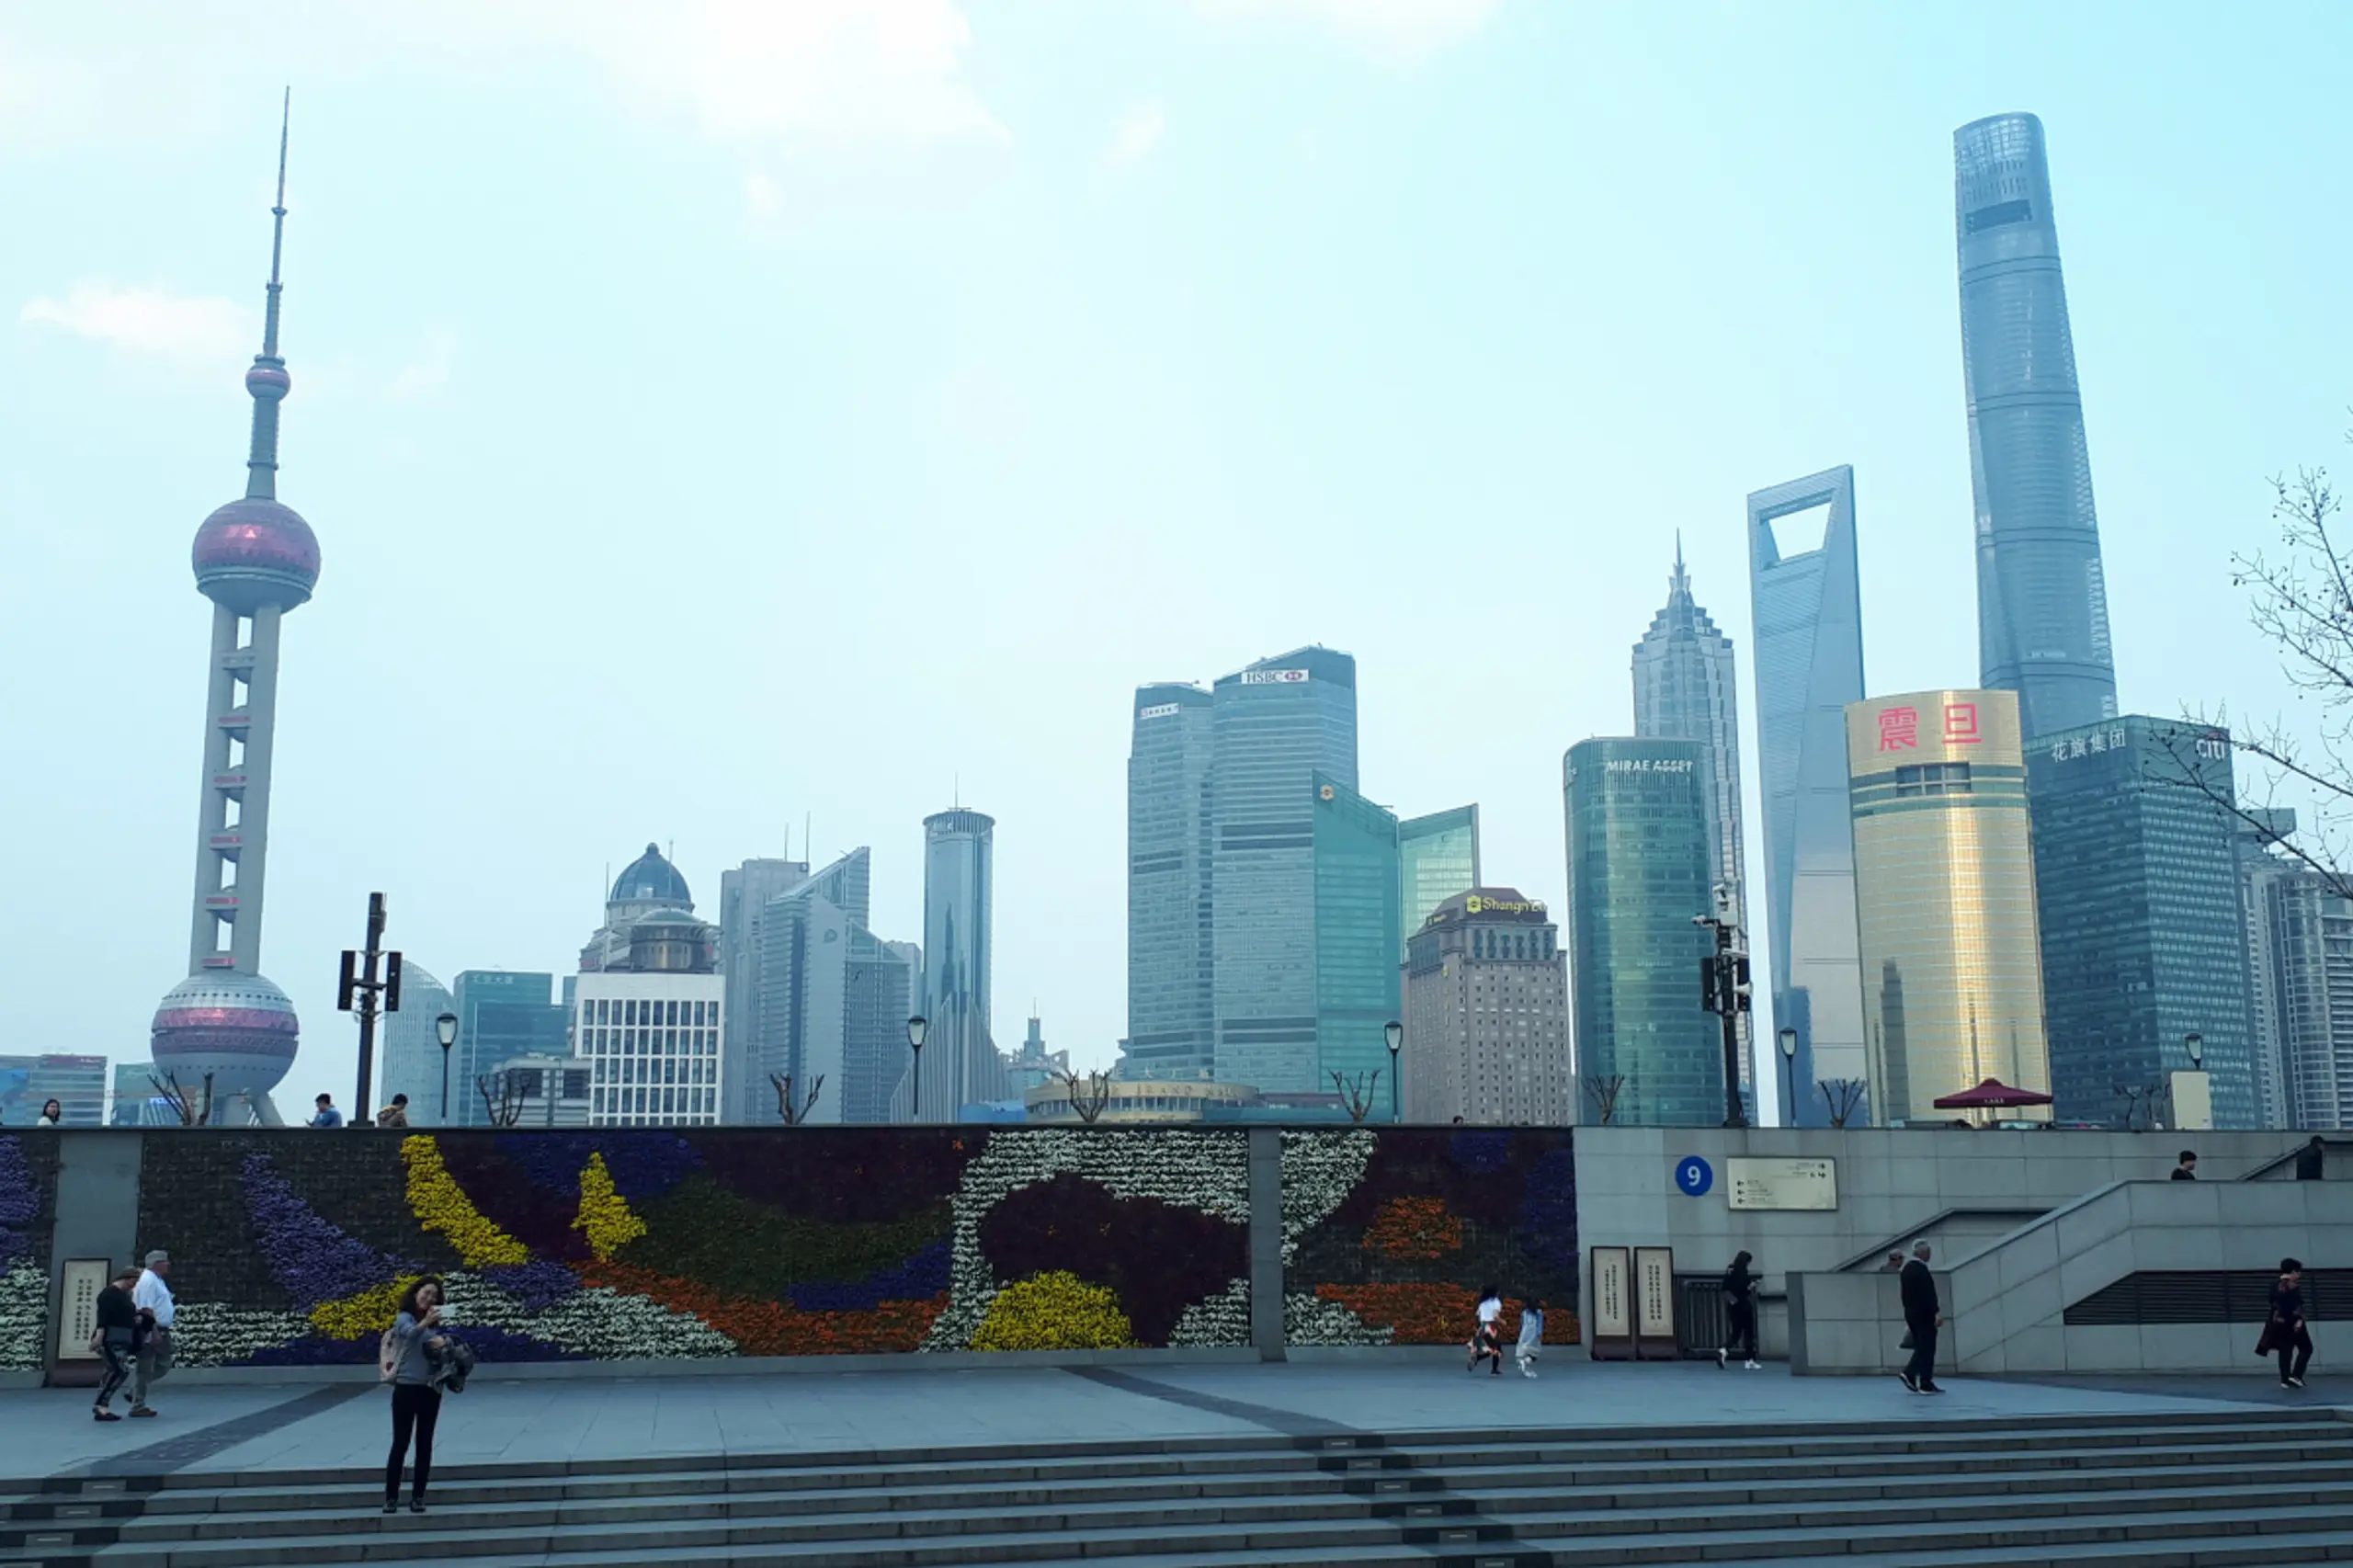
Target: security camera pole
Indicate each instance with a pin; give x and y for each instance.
(1724, 990)
(359, 977)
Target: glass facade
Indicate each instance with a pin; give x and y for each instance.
(78, 1084)
(501, 1014)
(2312, 953)
(960, 1062)
(1358, 933)
(409, 1060)
(1275, 726)
(1437, 857)
(2143, 943)
(1944, 894)
(2041, 602)
(1170, 939)
(1638, 838)
(1806, 609)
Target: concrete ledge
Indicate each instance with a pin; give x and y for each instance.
(759, 1366)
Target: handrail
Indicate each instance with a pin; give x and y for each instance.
(1911, 1232)
(2277, 1161)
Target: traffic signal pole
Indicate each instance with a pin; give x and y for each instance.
(1725, 990)
(358, 990)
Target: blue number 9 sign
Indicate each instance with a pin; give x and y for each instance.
(1693, 1176)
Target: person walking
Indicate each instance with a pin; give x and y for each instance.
(395, 1114)
(327, 1116)
(2284, 1331)
(1740, 1316)
(1894, 1264)
(1532, 1336)
(116, 1338)
(151, 1357)
(2188, 1169)
(1922, 1318)
(1486, 1337)
(2312, 1160)
(50, 1115)
(411, 1348)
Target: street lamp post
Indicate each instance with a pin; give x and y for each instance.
(1724, 990)
(2194, 1043)
(1788, 1043)
(1396, 1032)
(445, 1029)
(916, 1027)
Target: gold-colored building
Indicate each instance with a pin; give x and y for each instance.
(1944, 897)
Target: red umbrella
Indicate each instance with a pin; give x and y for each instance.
(1990, 1094)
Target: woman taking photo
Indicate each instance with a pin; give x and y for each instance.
(417, 1404)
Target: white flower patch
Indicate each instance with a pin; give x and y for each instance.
(1311, 1319)
(24, 1319)
(594, 1321)
(1320, 1169)
(211, 1334)
(1205, 1171)
(1219, 1321)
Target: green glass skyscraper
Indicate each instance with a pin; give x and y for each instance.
(1639, 835)
(1437, 859)
(1356, 937)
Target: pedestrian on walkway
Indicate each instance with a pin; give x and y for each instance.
(1532, 1336)
(395, 1114)
(1922, 1318)
(151, 1359)
(116, 1339)
(409, 1349)
(1486, 1337)
(2312, 1160)
(1894, 1264)
(50, 1115)
(2188, 1169)
(327, 1115)
(1740, 1316)
(2284, 1331)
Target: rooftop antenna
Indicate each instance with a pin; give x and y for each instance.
(266, 381)
(788, 841)
(808, 836)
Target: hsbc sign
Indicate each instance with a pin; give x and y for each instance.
(1272, 678)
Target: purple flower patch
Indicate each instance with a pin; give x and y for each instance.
(919, 1278)
(643, 1164)
(539, 1284)
(313, 1260)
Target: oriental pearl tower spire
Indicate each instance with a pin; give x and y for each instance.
(256, 559)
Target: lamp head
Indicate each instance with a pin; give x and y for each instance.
(445, 1029)
(916, 1027)
(1394, 1032)
(1789, 1042)
(2196, 1045)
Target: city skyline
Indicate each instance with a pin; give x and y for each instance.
(414, 626)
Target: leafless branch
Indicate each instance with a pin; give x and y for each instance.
(1603, 1091)
(795, 1111)
(1845, 1096)
(1357, 1092)
(503, 1094)
(1089, 1091)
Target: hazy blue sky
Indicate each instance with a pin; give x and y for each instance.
(770, 410)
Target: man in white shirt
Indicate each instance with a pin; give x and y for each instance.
(153, 1297)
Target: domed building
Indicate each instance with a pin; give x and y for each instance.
(646, 1009)
(647, 885)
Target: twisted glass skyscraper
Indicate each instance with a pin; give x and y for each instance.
(2042, 603)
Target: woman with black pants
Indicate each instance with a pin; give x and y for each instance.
(417, 1404)
(1740, 1315)
(2286, 1332)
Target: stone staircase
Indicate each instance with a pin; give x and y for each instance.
(2148, 1491)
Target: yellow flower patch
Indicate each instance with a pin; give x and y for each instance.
(1057, 1310)
(441, 1204)
(370, 1312)
(605, 1215)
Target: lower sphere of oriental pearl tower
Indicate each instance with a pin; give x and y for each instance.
(226, 1030)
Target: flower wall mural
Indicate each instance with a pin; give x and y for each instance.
(28, 1202)
(1389, 1235)
(644, 1244)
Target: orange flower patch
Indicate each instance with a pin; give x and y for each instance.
(1414, 1227)
(779, 1328)
(1436, 1313)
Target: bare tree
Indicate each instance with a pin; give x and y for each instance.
(794, 1111)
(1356, 1091)
(2140, 1102)
(1845, 1096)
(2301, 601)
(1603, 1091)
(503, 1094)
(191, 1110)
(1089, 1091)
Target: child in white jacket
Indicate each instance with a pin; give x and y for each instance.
(1532, 1336)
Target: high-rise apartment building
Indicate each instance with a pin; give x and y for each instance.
(650, 1040)
(1170, 939)
(1356, 935)
(960, 1062)
(1638, 843)
(1685, 688)
(412, 1056)
(744, 895)
(2145, 941)
(501, 1014)
(1486, 1015)
(2255, 835)
(2042, 601)
(832, 1001)
(1806, 609)
(1437, 859)
(1276, 726)
(1945, 896)
(2312, 951)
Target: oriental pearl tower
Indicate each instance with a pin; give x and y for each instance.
(256, 559)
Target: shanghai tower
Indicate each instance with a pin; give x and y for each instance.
(2041, 604)
(225, 1035)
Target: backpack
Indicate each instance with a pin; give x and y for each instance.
(388, 1358)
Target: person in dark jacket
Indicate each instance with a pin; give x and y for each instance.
(416, 1402)
(2188, 1169)
(116, 1338)
(2312, 1160)
(1922, 1317)
(1740, 1316)
(2285, 1332)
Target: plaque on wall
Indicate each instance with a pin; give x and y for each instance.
(79, 1283)
(1654, 1305)
(1613, 1310)
(1781, 1184)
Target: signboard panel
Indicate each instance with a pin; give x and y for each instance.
(80, 1280)
(1613, 1312)
(1809, 1185)
(1655, 1304)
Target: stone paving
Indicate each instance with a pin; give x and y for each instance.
(279, 1430)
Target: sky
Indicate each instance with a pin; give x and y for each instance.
(723, 418)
